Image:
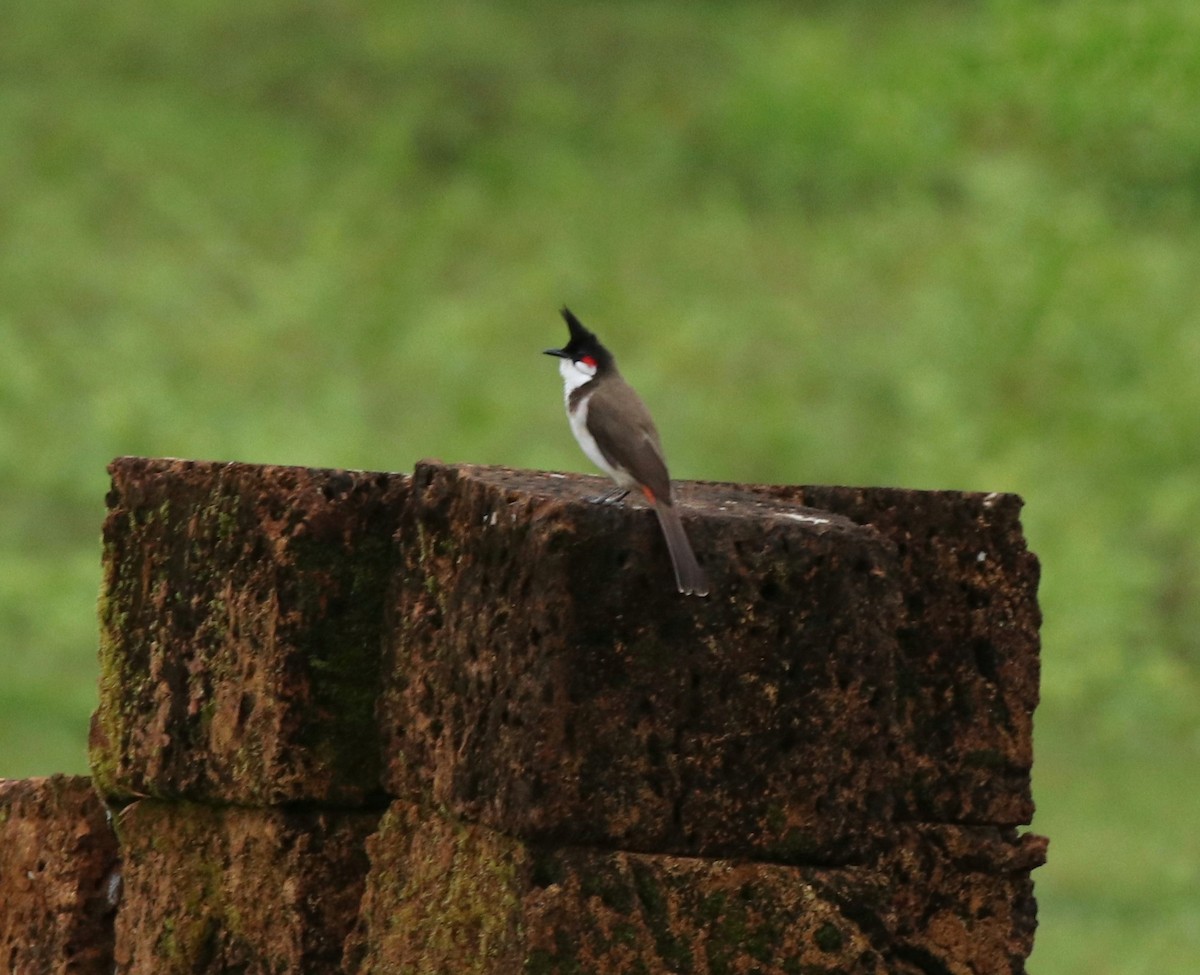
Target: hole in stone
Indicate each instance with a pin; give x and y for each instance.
(546, 871)
(769, 591)
(656, 754)
(986, 661)
(337, 485)
(977, 598)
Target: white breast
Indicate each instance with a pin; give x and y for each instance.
(573, 377)
(586, 440)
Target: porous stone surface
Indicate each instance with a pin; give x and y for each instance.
(444, 896)
(962, 898)
(240, 631)
(448, 896)
(59, 878)
(229, 889)
(544, 678)
(967, 666)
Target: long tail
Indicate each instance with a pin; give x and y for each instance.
(688, 574)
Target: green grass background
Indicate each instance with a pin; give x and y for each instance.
(940, 245)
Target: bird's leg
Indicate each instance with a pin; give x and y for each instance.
(612, 497)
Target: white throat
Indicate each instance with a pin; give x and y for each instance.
(574, 375)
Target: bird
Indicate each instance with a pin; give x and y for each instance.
(614, 428)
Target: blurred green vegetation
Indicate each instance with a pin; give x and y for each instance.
(932, 244)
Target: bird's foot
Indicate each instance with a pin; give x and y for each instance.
(612, 497)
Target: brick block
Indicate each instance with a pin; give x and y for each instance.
(58, 878)
(967, 667)
(443, 896)
(545, 679)
(255, 891)
(240, 631)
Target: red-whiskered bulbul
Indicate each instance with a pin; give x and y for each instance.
(614, 428)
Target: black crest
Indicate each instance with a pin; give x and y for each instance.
(583, 343)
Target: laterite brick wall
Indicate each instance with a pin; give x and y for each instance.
(461, 722)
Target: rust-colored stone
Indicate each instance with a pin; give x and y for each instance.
(611, 912)
(255, 891)
(962, 896)
(546, 679)
(444, 896)
(968, 667)
(240, 631)
(58, 878)
(817, 768)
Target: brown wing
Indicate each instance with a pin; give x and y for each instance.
(615, 410)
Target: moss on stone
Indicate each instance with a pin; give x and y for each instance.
(829, 937)
(656, 910)
(451, 893)
(613, 890)
(114, 692)
(342, 600)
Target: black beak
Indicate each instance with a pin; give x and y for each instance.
(560, 353)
